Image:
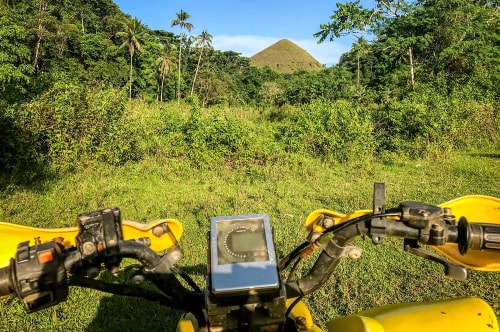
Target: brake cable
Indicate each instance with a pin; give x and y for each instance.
(364, 218)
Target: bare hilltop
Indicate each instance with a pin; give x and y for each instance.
(285, 56)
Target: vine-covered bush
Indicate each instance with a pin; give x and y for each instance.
(214, 136)
(70, 123)
(426, 123)
(340, 130)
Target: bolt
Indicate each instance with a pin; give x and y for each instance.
(437, 227)
(176, 255)
(88, 248)
(158, 231)
(328, 222)
(137, 279)
(300, 321)
(354, 253)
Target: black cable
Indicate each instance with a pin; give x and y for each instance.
(186, 278)
(293, 269)
(292, 255)
(364, 218)
(125, 290)
(292, 305)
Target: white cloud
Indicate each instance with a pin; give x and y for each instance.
(327, 53)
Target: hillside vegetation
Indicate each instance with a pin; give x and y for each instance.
(285, 57)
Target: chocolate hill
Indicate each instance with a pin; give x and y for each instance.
(285, 57)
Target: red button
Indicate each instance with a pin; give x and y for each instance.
(45, 256)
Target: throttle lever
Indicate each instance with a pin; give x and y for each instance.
(451, 270)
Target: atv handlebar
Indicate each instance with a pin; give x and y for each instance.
(39, 273)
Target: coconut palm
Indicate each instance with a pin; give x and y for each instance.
(181, 19)
(164, 63)
(360, 48)
(203, 40)
(134, 32)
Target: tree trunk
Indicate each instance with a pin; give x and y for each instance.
(196, 71)
(130, 86)
(179, 74)
(161, 89)
(83, 25)
(412, 72)
(37, 52)
(357, 82)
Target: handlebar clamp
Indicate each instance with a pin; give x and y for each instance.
(100, 233)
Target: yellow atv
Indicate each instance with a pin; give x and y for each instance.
(245, 290)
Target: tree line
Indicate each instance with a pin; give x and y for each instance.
(400, 45)
(422, 76)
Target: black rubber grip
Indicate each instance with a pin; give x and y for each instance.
(484, 236)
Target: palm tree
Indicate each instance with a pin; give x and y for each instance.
(164, 65)
(360, 48)
(134, 31)
(181, 19)
(203, 40)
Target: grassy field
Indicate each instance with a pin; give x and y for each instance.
(155, 188)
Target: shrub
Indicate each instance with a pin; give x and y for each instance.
(428, 124)
(70, 123)
(213, 136)
(341, 131)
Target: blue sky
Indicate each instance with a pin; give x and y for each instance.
(247, 26)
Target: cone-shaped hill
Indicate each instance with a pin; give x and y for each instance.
(285, 57)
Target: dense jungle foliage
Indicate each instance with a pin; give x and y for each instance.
(81, 81)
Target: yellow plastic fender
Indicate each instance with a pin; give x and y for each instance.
(163, 234)
(453, 315)
(301, 316)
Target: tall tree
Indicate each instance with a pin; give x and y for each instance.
(348, 18)
(164, 63)
(41, 24)
(134, 32)
(360, 48)
(181, 21)
(398, 10)
(15, 67)
(352, 17)
(203, 40)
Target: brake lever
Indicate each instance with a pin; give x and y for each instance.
(451, 269)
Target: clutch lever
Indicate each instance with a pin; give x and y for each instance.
(451, 269)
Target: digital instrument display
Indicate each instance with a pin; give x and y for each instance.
(241, 241)
(242, 255)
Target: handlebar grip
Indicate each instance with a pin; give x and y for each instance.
(5, 281)
(485, 236)
(478, 236)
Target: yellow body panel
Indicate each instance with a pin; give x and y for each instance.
(476, 208)
(11, 235)
(301, 310)
(454, 315)
(185, 325)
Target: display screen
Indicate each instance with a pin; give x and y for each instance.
(241, 241)
(242, 257)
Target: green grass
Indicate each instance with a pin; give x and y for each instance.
(166, 187)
